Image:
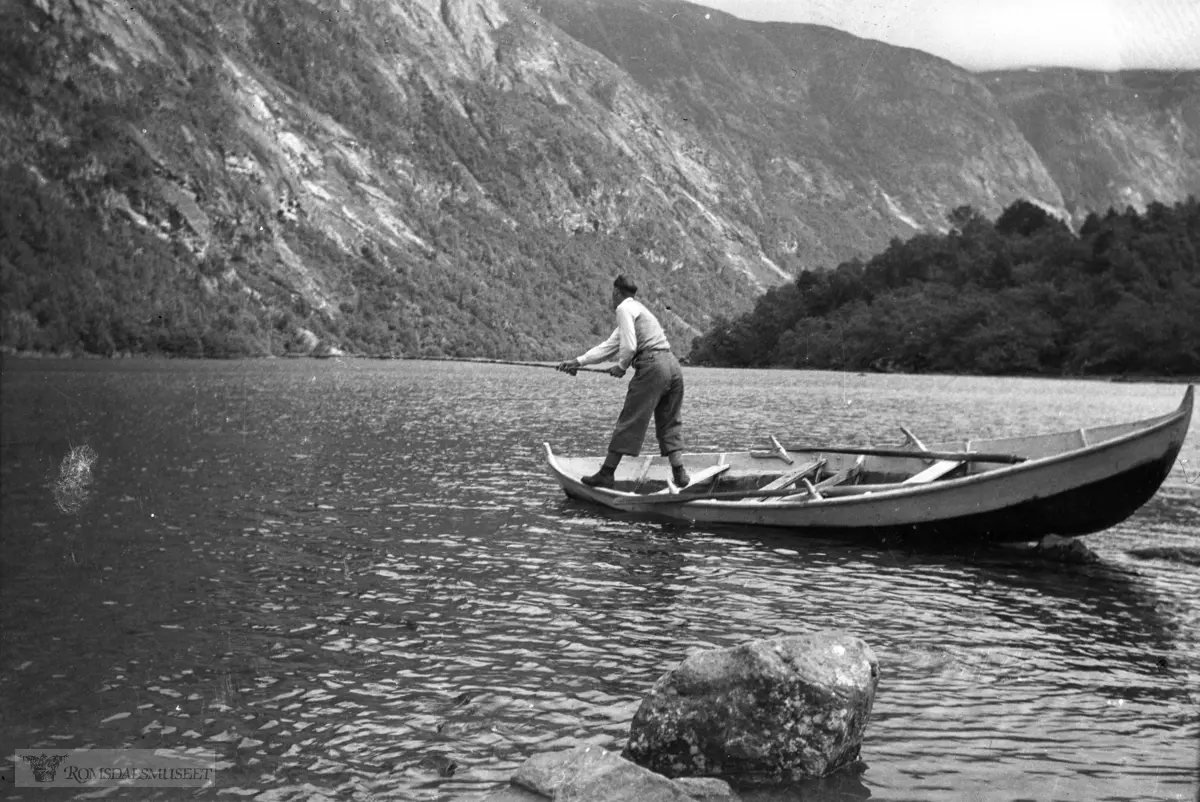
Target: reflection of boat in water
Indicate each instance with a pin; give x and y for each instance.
(1008, 489)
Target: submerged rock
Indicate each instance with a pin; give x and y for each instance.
(1066, 549)
(591, 774)
(706, 789)
(762, 713)
(514, 793)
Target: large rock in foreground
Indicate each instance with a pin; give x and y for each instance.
(762, 713)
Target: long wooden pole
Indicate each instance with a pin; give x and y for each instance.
(960, 456)
(495, 362)
(684, 497)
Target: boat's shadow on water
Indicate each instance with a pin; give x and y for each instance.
(1082, 592)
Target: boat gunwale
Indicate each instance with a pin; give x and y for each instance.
(623, 500)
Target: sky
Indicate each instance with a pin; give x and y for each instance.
(1104, 35)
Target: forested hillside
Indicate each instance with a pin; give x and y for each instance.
(1020, 295)
(218, 179)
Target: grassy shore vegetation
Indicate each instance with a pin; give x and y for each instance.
(1022, 295)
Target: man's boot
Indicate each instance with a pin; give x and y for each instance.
(602, 478)
(680, 475)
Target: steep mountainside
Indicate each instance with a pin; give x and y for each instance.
(836, 143)
(1119, 140)
(391, 177)
(453, 176)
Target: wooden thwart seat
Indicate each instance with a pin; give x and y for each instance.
(934, 472)
(791, 477)
(844, 475)
(707, 473)
(696, 478)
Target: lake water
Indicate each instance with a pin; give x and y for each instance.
(349, 577)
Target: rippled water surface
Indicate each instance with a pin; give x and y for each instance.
(355, 580)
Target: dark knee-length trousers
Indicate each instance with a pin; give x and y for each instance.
(656, 389)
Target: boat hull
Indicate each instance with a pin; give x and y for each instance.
(1076, 492)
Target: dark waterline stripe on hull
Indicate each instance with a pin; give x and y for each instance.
(1082, 511)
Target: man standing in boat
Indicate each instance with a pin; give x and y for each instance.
(656, 388)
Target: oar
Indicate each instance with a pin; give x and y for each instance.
(684, 497)
(961, 456)
(495, 362)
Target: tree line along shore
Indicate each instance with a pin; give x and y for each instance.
(1023, 295)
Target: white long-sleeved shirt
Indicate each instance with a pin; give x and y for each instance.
(637, 330)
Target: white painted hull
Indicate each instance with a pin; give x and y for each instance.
(1068, 490)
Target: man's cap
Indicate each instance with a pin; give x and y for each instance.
(625, 284)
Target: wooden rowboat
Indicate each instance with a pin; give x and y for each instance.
(1005, 489)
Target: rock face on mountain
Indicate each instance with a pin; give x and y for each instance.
(1120, 140)
(829, 145)
(456, 176)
